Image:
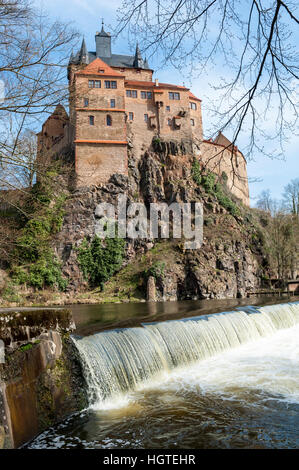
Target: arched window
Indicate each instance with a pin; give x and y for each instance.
(108, 120)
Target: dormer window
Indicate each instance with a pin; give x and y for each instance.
(101, 71)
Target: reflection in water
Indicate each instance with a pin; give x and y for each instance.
(93, 318)
(245, 397)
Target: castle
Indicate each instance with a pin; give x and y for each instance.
(114, 103)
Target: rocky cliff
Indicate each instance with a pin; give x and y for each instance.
(229, 264)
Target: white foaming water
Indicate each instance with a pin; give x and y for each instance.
(255, 348)
(268, 367)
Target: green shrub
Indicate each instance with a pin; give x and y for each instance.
(208, 182)
(100, 259)
(156, 270)
(35, 262)
(225, 201)
(196, 172)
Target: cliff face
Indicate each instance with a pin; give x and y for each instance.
(227, 265)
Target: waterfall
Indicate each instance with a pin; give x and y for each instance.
(119, 361)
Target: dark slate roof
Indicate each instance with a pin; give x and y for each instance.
(118, 60)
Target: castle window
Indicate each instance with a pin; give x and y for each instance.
(108, 120)
(167, 108)
(110, 84)
(112, 103)
(94, 83)
(173, 96)
(86, 102)
(146, 95)
(193, 105)
(131, 116)
(192, 122)
(131, 93)
(91, 120)
(169, 122)
(146, 117)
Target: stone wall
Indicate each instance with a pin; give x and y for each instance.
(219, 159)
(96, 163)
(41, 381)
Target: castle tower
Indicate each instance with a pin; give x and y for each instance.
(100, 138)
(103, 44)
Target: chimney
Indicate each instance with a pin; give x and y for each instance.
(156, 82)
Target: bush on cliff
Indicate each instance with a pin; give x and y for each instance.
(35, 263)
(100, 259)
(208, 181)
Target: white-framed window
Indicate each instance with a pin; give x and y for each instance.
(193, 105)
(173, 96)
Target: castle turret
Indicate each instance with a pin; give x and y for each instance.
(83, 54)
(103, 44)
(138, 61)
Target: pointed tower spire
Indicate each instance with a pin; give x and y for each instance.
(146, 66)
(83, 54)
(72, 58)
(138, 62)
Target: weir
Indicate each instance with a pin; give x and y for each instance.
(119, 361)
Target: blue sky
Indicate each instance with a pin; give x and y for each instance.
(86, 17)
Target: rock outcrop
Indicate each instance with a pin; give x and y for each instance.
(226, 266)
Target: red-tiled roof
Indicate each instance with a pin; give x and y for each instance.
(161, 86)
(193, 97)
(94, 69)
